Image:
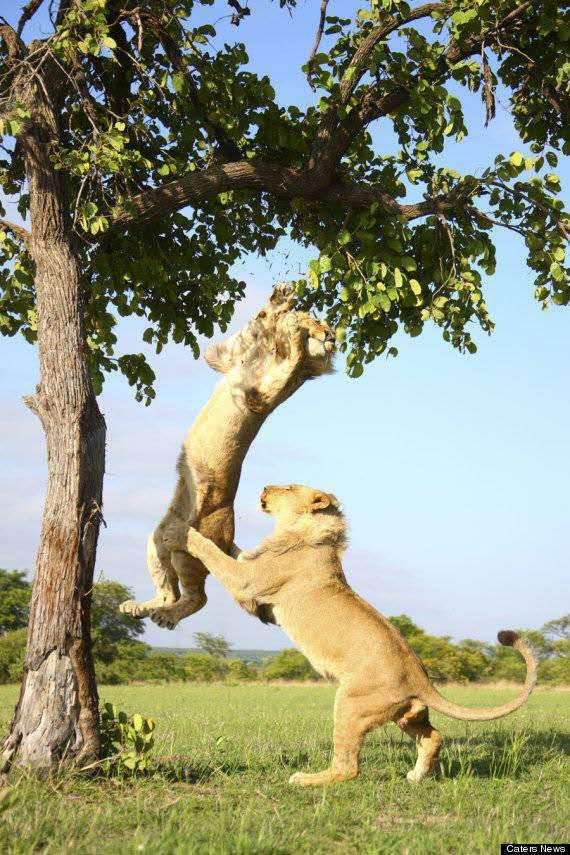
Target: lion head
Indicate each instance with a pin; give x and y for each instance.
(275, 353)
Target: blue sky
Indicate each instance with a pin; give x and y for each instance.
(453, 470)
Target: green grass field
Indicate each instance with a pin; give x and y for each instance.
(228, 752)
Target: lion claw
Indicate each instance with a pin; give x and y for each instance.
(162, 621)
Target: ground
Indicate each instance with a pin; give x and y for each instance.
(229, 750)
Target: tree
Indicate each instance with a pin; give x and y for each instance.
(12, 650)
(214, 645)
(289, 664)
(129, 112)
(558, 628)
(406, 626)
(14, 600)
(109, 627)
(203, 668)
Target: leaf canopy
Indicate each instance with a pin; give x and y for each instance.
(178, 160)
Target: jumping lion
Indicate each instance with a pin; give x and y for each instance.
(263, 365)
(297, 573)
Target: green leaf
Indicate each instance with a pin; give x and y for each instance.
(178, 81)
(415, 286)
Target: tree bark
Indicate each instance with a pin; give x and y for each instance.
(56, 718)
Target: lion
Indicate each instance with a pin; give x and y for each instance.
(263, 365)
(297, 573)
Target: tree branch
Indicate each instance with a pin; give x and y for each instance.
(19, 231)
(283, 182)
(15, 46)
(324, 151)
(335, 136)
(227, 146)
(28, 12)
(318, 37)
(357, 65)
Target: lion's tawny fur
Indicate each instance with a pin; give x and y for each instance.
(262, 365)
(297, 572)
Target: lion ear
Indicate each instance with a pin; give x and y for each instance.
(320, 502)
(218, 357)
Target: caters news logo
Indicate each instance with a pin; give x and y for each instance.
(532, 848)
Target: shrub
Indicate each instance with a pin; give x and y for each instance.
(125, 742)
(201, 667)
(289, 665)
(239, 671)
(160, 665)
(12, 651)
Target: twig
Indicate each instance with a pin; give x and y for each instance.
(488, 87)
(317, 42)
(240, 12)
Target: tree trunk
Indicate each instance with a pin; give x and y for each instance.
(56, 717)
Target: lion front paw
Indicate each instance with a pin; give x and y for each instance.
(194, 542)
(414, 777)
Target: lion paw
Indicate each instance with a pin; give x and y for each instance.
(131, 607)
(301, 779)
(317, 779)
(415, 777)
(164, 621)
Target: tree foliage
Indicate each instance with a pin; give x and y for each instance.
(214, 645)
(178, 159)
(289, 665)
(14, 599)
(110, 627)
(120, 657)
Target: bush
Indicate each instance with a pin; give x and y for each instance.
(12, 651)
(239, 671)
(201, 667)
(125, 665)
(125, 742)
(289, 665)
(160, 665)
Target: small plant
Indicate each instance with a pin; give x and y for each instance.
(125, 742)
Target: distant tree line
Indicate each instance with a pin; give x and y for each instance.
(121, 657)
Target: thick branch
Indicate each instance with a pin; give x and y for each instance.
(358, 67)
(374, 106)
(12, 40)
(283, 182)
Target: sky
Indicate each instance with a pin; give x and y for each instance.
(453, 470)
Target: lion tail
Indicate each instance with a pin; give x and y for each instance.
(510, 639)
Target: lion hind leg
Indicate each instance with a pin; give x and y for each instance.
(353, 719)
(193, 598)
(428, 743)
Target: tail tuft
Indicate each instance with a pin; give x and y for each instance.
(507, 637)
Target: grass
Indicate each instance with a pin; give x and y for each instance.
(228, 752)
